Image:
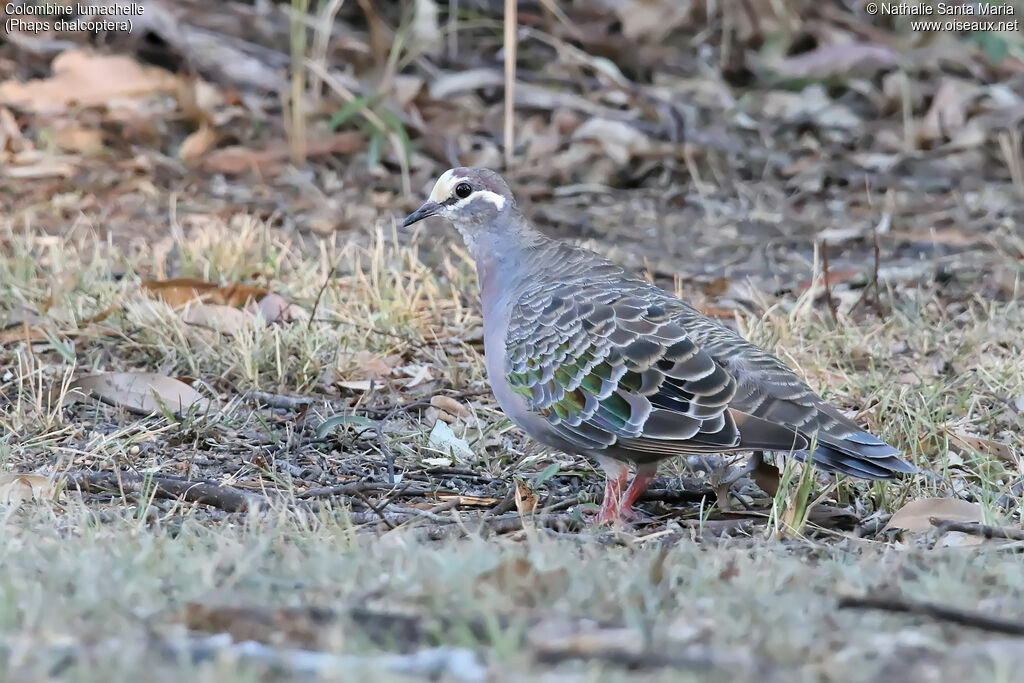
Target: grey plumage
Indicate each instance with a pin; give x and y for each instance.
(592, 360)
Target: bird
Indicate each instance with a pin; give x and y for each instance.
(591, 360)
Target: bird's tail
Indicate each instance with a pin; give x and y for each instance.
(857, 454)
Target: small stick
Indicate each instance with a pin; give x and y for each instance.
(975, 529)
(319, 295)
(279, 401)
(208, 493)
(358, 487)
(828, 284)
(510, 25)
(934, 611)
(366, 501)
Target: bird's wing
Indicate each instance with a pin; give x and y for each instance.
(613, 366)
(767, 389)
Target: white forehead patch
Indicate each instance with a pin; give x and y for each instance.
(443, 187)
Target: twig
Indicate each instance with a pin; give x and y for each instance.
(279, 401)
(510, 21)
(358, 487)
(828, 284)
(389, 411)
(975, 529)
(928, 609)
(676, 496)
(435, 663)
(208, 493)
(389, 458)
(319, 295)
(366, 501)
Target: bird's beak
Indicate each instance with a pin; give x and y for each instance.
(429, 209)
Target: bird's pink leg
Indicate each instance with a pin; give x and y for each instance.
(615, 479)
(644, 475)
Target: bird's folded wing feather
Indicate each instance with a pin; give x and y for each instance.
(768, 390)
(616, 367)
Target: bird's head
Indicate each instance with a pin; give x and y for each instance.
(473, 199)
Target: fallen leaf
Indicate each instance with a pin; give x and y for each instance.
(844, 59)
(443, 439)
(78, 139)
(420, 374)
(970, 443)
(522, 582)
(451, 83)
(22, 333)
(84, 79)
(526, 499)
(177, 292)
(916, 515)
(618, 139)
(358, 385)
(766, 476)
(449, 405)
(16, 488)
(237, 160)
(425, 29)
(948, 111)
(217, 317)
(197, 143)
(652, 20)
(276, 309)
(466, 501)
(371, 366)
(144, 393)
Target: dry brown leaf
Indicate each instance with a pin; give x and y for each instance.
(652, 20)
(144, 393)
(948, 111)
(22, 333)
(218, 317)
(971, 443)
(846, 59)
(449, 405)
(766, 476)
(276, 309)
(82, 78)
(11, 139)
(16, 488)
(78, 139)
(371, 366)
(197, 143)
(357, 385)
(617, 139)
(238, 159)
(522, 582)
(526, 499)
(467, 501)
(916, 515)
(32, 164)
(426, 27)
(179, 291)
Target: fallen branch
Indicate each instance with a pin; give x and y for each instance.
(216, 495)
(451, 663)
(278, 400)
(953, 615)
(356, 488)
(975, 529)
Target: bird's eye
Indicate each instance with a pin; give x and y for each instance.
(463, 190)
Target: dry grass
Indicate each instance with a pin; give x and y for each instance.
(939, 363)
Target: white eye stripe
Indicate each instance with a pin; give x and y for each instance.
(485, 195)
